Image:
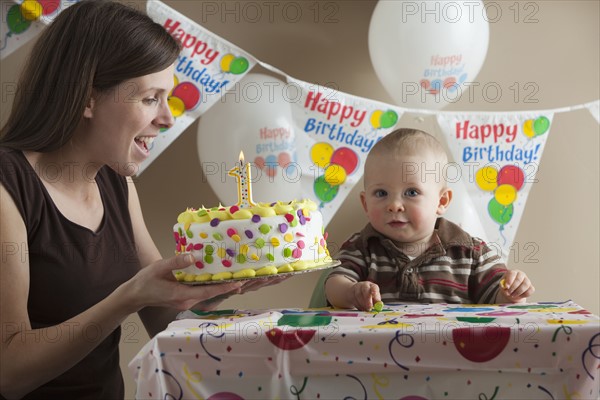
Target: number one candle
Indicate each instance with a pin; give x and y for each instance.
(242, 175)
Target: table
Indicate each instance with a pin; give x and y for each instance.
(545, 350)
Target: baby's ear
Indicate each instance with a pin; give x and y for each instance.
(445, 200)
(363, 201)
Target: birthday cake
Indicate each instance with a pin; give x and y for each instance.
(244, 242)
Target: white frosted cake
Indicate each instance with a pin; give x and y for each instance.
(264, 239)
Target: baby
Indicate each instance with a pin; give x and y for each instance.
(407, 252)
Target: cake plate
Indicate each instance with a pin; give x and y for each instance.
(320, 267)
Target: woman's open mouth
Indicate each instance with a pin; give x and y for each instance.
(144, 142)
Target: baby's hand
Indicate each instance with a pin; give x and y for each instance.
(365, 294)
(515, 287)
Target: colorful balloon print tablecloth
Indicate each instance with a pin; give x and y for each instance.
(406, 351)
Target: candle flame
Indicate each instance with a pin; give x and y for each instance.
(242, 156)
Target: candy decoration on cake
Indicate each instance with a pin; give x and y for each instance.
(250, 239)
(242, 174)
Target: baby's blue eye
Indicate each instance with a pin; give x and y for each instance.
(411, 193)
(380, 193)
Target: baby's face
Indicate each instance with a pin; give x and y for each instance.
(404, 195)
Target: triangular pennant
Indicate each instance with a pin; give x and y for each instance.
(23, 21)
(335, 132)
(207, 67)
(594, 108)
(497, 157)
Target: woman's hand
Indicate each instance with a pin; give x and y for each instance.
(155, 285)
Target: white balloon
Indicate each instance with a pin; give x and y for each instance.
(254, 118)
(418, 49)
(463, 213)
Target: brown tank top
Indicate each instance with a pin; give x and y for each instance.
(73, 268)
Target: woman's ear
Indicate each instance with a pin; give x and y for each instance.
(89, 108)
(445, 200)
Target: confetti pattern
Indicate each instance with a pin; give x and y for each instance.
(408, 352)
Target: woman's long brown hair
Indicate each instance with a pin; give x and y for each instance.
(91, 46)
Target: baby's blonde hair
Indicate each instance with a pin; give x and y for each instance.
(407, 141)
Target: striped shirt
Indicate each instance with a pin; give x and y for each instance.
(456, 268)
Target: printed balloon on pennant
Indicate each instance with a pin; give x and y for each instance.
(188, 93)
(346, 158)
(337, 165)
(234, 65)
(499, 213)
(320, 154)
(487, 178)
(388, 119)
(423, 53)
(335, 175)
(383, 119)
(31, 10)
(528, 128)
(541, 125)
(375, 119)
(324, 191)
(226, 62)
(505, 194)
(511, 175)
(185, 96)
(239, 65)
(15, 20)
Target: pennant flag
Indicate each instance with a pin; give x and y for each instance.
(594, 108)
(207, 67)
(23, 20)
(497, 156)
(335, 132)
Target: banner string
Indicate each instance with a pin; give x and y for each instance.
(438, 112)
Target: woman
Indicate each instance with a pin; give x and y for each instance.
(77, 258)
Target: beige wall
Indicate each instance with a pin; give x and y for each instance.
(559, 232)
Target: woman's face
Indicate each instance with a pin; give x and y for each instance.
(122, 123)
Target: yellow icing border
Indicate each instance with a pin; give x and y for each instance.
(205, 215)
(268, 270)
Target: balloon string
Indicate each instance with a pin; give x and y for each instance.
(502, 235)
(5, 41)
(371, 133)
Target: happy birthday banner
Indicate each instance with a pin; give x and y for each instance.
(207, 67)
(498, 156)
(330, 132)
(336, 132)
(23, 20)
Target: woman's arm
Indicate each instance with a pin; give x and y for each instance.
(27, 359)
(156, 319)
